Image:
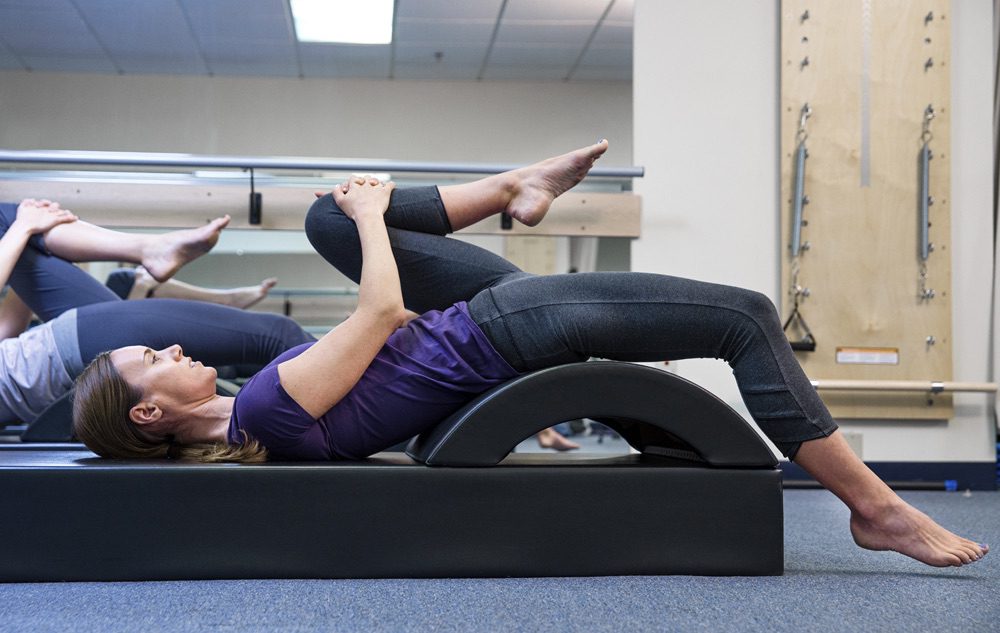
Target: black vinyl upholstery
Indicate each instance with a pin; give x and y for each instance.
(655, 411)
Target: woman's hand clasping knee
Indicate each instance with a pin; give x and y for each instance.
(362, 195)
(39, 216)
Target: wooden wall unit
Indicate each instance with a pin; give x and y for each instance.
(868, 69)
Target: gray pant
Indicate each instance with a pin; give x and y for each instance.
(540, 321)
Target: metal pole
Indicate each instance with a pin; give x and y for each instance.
(904, 385)
(65, 157)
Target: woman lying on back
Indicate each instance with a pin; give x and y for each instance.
(81, 317)
(385, 374)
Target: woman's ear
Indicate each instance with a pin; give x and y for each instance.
(145, 413)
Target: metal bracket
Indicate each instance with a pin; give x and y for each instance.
(256, 202)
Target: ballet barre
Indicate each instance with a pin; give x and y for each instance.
(296, 163)
(600, 207)
(905, 385)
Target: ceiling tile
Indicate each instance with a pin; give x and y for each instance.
(555, 9)
(344, 52)
(436, 72)
(161, 65)
(546, 33)
(443, 31)
(8, 60)
(598, 73)
(354, 71)
(70, 63)
(617, 57)
(248, 48)
(451, 54)
(514, 55)
(345, 60)
(256, 68)
(9, 63)
(264, 19)
(40, 5)
(448, 9)
(613, 35)
(47, 32)
(149, 36)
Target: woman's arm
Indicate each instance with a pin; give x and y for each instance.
(319, 377)
(33, 216)
(409, 315)
(15, 316)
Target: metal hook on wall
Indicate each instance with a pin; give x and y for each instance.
(925, 134)
(804, 115)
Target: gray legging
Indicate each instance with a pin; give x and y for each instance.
(540, 321)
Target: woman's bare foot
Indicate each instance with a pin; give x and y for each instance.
(249, 295)
(904, 529)
(166, 253)
(551, 438)
(536, 186)
(880, 520)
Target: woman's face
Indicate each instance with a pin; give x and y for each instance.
(166, 376)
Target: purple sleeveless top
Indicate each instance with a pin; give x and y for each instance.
(426, 371)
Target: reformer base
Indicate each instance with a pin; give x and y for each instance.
(79, 518)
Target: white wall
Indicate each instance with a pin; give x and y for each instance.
(405, 120)
(705, 115)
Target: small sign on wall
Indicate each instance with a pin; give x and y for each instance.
(868, 355)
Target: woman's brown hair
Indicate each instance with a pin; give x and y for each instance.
(101, 421)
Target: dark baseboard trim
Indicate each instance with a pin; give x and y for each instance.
(914, 475)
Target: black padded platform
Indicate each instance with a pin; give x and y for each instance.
(83, 518)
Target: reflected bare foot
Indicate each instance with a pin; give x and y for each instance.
(143, 286)
(551, 438)
(249, 295)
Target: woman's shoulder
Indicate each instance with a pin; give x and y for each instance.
(263, 395)
(265, 411)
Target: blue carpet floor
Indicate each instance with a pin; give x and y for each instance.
(829, 585)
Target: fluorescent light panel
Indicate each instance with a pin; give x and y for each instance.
(343, 21)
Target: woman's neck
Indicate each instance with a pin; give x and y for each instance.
(208, 423)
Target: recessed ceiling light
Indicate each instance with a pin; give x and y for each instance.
(343, 21)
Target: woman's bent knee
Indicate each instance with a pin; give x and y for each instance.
(333, 235)
(324, 215)
(755, 304)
